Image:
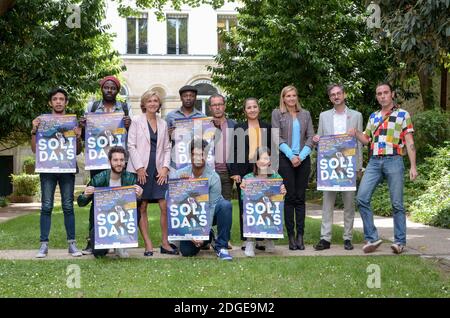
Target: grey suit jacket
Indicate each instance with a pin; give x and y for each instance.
(354, 120)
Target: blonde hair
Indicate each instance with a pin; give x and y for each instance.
(284, 91)
(146, 97)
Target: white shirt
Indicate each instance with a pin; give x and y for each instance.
(340, 121)
(115, 183)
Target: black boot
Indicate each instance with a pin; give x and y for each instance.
(299, 242)
(292, 243)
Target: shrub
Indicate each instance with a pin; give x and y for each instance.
(25, 184)
(431, 129)
(3, 202)
(433, 207)
(28, 165)
(426, 197)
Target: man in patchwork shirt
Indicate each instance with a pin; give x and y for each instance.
(388, 131)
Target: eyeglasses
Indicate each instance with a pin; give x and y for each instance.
(217, 105)
(336, 94)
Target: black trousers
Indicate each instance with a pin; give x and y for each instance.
(93, 173)
(296, 181)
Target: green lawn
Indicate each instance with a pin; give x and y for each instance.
(23, 232)
(403, 276)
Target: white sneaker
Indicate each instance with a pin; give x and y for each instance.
(249, 248)
(43, 250)
(270, 246)
(73, 250)
(370, 247)
(121, 253)
(397, 248)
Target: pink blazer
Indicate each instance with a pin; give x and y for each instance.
(139, 144)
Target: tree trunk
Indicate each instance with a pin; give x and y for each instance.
(426, 89)
(5, 5)
(444, 75)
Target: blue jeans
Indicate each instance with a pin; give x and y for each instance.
(391, 168)
(223, 219)
(66, 183)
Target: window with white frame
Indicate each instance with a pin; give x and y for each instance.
(204, 90)
(137, 35)
(177, 34)
(225, 23)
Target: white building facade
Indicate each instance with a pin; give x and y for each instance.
(159, 55)
(166, 55)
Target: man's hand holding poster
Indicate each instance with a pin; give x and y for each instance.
(103, 131)
(336, 163)
(56, 144)
(263, 208)
(188, 209)
(115, 215)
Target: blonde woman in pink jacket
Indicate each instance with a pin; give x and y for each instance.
(149, 149)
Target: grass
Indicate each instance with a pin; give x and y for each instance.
(403, 276)
(23, 232)
(268, 277)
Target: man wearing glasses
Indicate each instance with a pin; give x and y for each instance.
(222, 142)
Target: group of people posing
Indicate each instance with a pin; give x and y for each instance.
(147, 164)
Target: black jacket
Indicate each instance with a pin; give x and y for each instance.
(244, 168)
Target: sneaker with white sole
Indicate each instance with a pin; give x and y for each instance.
(270, 246)
(249, 248)
(370, 247)
(73, 250)
(397, 248)
(43, 250)
(224, 255)
(121, 253)
(88, 250)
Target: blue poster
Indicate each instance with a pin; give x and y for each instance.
(115, 217)
(56, 144)
(185, 131)
(263, 208)
(103, 130)
(188, 211)
(336, 163)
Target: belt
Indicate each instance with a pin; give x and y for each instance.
(383, 156)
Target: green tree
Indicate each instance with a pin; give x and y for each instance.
(41, 48)
(305, 43)
(125, 9)
(418, 32)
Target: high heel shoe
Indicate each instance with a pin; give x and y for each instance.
(148, 253)
(174, 251)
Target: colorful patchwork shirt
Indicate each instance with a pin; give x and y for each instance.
(389, 138)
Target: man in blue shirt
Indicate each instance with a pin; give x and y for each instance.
(222, 208)
(188, 96)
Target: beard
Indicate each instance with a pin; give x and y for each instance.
(117, 169)
(109, 98)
